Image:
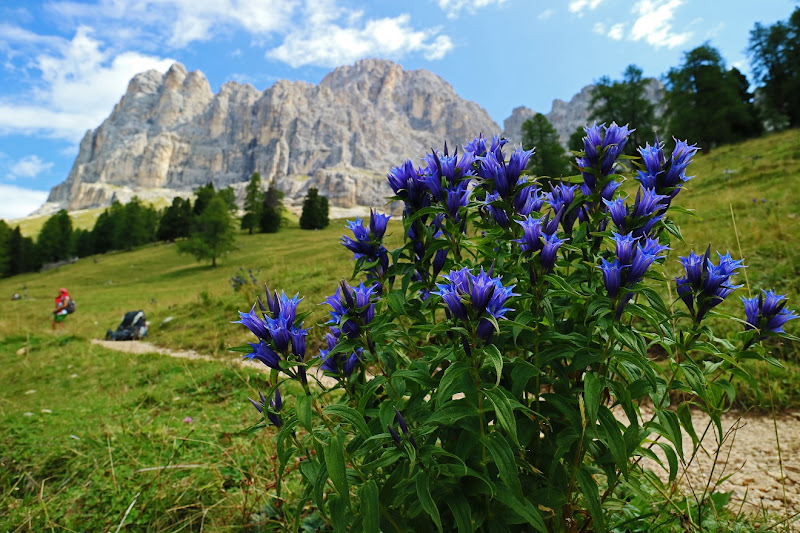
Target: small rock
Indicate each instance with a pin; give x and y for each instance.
(47, 411)
(22, 351)
(73, 376)
(32, 391)
(27, 414)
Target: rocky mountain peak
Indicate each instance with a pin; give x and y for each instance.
(170, 134)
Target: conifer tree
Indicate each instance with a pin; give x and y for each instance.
(253, 204)
(315, 211)
(213, 233)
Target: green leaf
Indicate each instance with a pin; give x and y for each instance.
(672, 459)
(590, 491)
(504, 460)
(452, 412)
(351, 415)
(370, 507)
(504, 412)
(338, 513)
(303, 408)
(523, 507)
(494, 358)
(685, 418)
(425, 499)
(334, 460)
(449, 382)
(592, 388)
(461, 512)
(614, 440)
(671, 425)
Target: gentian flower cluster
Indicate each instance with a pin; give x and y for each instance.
(705, 285)
(665, 176)
(273, 407)
(631, 262)
(602, 146)
(539, 234)
(338, 363)
(277, 333)
(642, 217)
(447, 179)
(367, 244)
(559, 199)
(352, 308)
(767, 312)
(471, 298)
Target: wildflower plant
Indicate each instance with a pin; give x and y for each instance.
(489, 375)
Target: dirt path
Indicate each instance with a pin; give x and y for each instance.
(749, 454)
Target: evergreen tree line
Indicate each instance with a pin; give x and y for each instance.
(205, 227)
(705, 101)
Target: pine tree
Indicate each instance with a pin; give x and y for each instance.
(55, 238)
(271, 210)
(705, 102)
(549, 157)
(253, 204)
(213, 233)
(315, 211)
(625, 102)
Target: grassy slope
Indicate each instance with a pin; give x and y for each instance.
(134, 406)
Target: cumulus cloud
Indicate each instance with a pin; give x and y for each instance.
(332, 36)
(546, 14)
(616, 31)
(16, 202)
(80, 83)
(181, 22)
(454, 7)
(654, 23)
(579, 7)
(28, 167)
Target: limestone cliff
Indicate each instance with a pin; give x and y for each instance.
(170, 134)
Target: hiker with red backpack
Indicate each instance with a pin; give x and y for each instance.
(64, 306)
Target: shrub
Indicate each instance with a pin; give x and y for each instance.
(489, 374)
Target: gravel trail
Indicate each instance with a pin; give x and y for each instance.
(748, 454)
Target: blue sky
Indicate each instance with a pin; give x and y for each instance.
(65, 63)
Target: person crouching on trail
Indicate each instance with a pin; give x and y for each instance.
(60, 312)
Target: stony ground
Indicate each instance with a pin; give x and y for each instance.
(748, 453)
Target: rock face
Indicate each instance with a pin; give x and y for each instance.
(170, 134)
(566, 117)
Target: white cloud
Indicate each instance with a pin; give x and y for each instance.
(616, 31)
(546, 14)
(333, 36)
(16, 202)
(80, 83)
(454, 7)
(181, 22)
(28, 167)
(654, 23)
(580, 6)
(599, 28)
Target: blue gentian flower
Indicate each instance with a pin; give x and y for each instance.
(612, 276)
(706, 283)
(262, 352)
(352, 308)
(618, 211)
(467, 294)
(275, 405)
(602, 146)
(457, 197)
(531, 240)
(767, 312)
(613, 143)
(624, 247)
(477, 147)
(254, 323)
(498, 213)
(662, 175)
(549, 252)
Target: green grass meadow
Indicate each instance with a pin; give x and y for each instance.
(98, 440)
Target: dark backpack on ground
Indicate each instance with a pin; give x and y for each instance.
(70, 305)
(133, 327)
